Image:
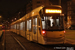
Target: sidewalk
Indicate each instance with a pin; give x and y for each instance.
(70, 37)
(70, 41)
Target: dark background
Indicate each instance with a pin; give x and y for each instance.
(8, 8)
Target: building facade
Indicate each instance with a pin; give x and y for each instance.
(71, 14)
(36, 3)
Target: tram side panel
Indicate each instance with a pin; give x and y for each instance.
(36, 32)
(39, 30)
(31, 32)
(52, 37)
(40, 38)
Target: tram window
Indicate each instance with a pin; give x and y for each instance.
(21, 26)
(34, 25)
(43, 24)
(24, 26)
(57, 21)
(52, 23)
(17, 26)
(12, 27)
(29, 25)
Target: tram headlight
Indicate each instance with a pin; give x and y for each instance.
(64, 31)
(43, 32)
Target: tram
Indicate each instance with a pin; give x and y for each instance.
(44, 25)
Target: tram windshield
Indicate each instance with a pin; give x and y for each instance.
(52, 23)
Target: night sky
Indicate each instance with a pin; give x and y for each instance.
(10, 7)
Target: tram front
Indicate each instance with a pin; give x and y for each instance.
(53, 26)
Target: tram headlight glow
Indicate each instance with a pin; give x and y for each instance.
(52, 11)
(43, 32)
(64, 31)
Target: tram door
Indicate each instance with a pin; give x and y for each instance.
(29, 29)
(35, 33)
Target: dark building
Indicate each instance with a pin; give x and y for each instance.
(71, 14)
(36, 3)
(1, 17)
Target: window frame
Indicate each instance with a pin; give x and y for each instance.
(37, 24)
(27, 27)
(21, 26)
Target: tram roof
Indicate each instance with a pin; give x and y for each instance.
(27, 15)
(31, 13)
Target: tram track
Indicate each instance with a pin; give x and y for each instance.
(41, 47)
(19, 42)
(33, 44)
(11, 43)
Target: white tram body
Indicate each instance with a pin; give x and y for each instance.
(44, 25)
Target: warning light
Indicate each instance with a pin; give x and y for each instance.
(64, 31)
(43, 32)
